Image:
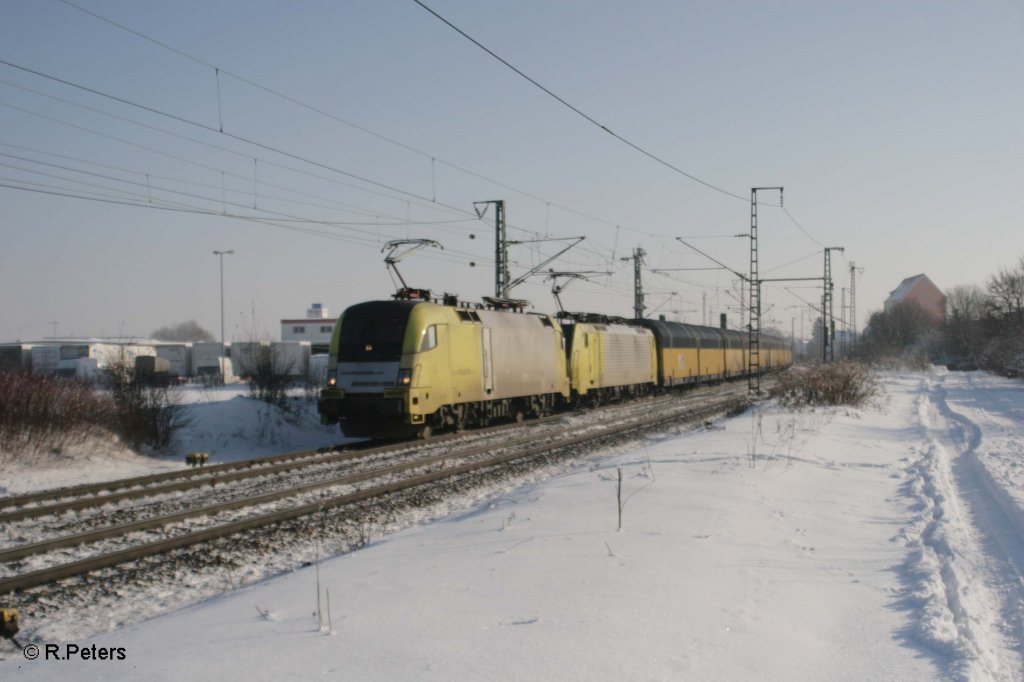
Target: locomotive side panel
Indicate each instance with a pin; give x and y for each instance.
(629, 355)
(609, 356)
(526, 355)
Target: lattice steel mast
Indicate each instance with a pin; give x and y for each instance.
(638, 285)
(754, 327)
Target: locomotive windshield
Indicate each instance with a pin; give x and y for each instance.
(373, 332)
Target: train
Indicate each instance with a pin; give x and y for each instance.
(408, 367)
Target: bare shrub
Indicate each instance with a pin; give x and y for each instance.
(269, 376)
(145, 414)
(38, 412)
(841, 383)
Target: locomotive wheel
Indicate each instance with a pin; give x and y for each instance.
(520, 416)
(426, 432)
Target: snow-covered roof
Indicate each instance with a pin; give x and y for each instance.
(905, 287)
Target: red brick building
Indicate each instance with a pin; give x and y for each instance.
(921, 290)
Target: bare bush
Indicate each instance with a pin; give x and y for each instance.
(269, 375)
(145, 414)
(38, 412)
(841, 383)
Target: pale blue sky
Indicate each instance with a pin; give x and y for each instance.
(894, 127)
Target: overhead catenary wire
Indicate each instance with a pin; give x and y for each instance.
(198, 164)
(578, 111)
(433, 158)
(150, 186)
(427, 201)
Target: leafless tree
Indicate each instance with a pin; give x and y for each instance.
(1006, 292)
(182, 331)
(967, 309)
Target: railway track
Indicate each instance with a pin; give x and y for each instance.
(378, 473)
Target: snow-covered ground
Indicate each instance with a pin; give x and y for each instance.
(834, 544)
(220, 420)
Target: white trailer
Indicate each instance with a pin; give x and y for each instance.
(318, 369)
(105, 353)
(291, 358)
(224, 364)
(245, 356)
(178, 356)
(15, 357)
(84, 369)
(206, 358)
(45, 359)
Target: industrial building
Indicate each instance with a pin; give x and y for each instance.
(316, 328)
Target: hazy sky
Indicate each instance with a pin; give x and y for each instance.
(895, 128)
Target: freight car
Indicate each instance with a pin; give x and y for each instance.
(691, 355)
(411, 367)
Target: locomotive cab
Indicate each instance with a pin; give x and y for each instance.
(365, 381)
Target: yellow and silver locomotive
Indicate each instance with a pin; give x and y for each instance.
(405, 367)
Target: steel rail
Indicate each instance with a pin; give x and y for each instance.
(22, 551)
(122, 483)
(210, 471)
(196, 478)
(47, 575)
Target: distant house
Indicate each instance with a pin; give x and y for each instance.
(922, 291)
(316, 328)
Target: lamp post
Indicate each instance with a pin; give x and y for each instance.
(221, 254)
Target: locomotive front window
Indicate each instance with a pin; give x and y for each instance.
(429, 338)
(371, 339)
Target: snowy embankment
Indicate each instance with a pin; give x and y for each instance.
(833, 544)
(220, 420)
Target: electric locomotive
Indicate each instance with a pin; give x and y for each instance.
(409, 367)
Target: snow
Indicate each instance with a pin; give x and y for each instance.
(220, 420)
(882, 543)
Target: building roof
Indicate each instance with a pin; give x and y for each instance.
(315, 320)
(906, 286)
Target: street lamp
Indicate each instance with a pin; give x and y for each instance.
(222, 346)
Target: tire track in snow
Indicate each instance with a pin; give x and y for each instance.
(963, 564)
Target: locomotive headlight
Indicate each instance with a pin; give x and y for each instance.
(332, 378)
(404, 377)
